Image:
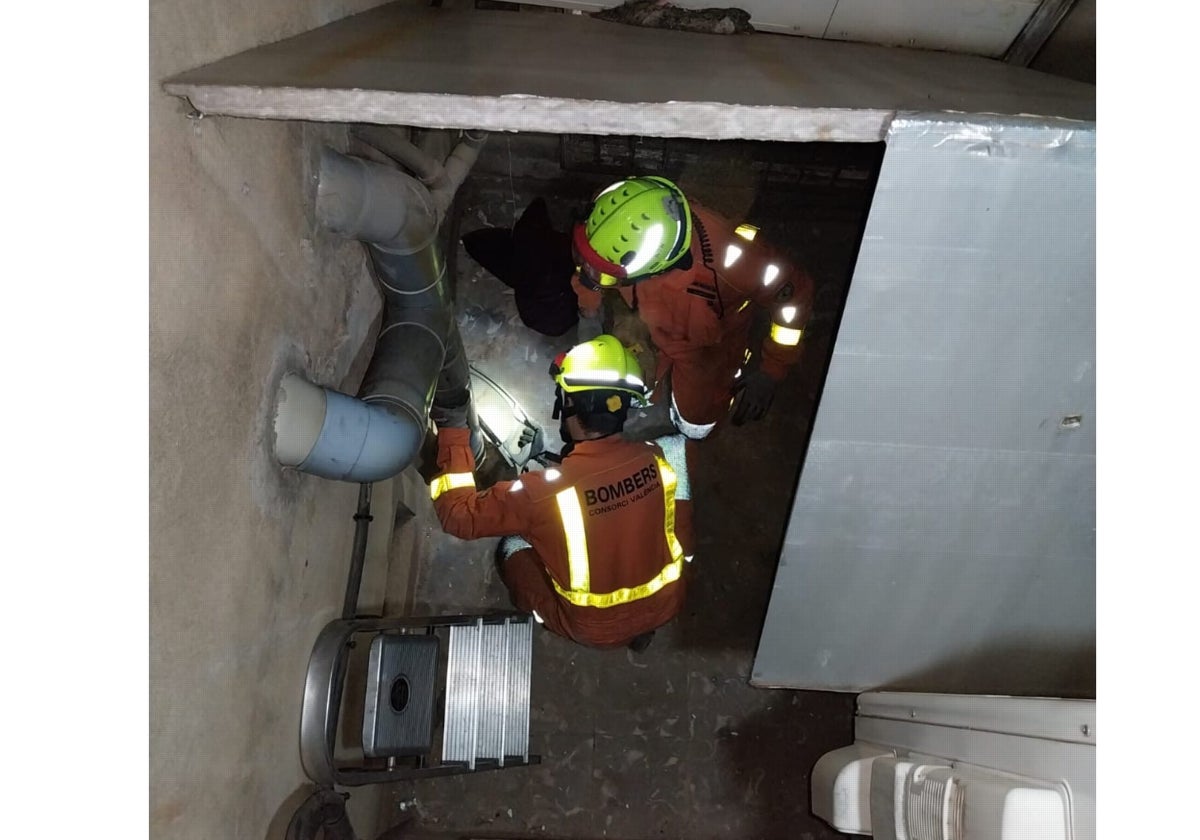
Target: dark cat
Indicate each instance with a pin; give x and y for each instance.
(535, 261)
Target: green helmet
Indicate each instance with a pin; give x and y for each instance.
(602, 364)
(637, 228)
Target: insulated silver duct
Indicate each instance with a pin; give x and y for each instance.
(419, 362)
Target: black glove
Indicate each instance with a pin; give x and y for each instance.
(753, 396)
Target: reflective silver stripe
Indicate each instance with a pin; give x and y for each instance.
(674, 449)
(511, 545)
(694, 431)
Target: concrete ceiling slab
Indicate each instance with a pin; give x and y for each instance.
(564, 73)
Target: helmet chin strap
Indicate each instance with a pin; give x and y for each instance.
(561, 412)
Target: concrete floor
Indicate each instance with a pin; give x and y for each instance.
(673, 742)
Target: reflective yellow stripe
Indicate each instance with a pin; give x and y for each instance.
(669, 574)
(746, 231)
(577, 556)
(571, 516)
(450, 481)
(786, 336)
(669, 483)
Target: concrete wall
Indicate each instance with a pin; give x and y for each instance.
(246, 562)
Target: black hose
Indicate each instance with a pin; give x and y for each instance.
(362, 521)
(321, 815)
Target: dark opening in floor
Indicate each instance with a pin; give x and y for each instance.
(672, 742)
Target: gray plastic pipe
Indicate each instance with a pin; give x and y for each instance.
(325, 433)
(443, 180)
(404, 152)
(419, 361)
(457, 165)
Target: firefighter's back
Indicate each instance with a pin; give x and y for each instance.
(606, 533)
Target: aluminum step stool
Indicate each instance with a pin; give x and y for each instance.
(484, 675)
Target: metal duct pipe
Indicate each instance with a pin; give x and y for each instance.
(419, 338)
(419, 361)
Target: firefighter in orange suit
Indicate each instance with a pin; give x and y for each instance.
(691, 275)
(594, 547)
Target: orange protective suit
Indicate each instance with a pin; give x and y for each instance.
(699, 317)
(609, 533)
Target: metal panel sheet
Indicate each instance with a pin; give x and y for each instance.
(942, 537)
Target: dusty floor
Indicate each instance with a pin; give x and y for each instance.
(673, 742)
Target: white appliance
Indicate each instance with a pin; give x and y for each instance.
(963, 767)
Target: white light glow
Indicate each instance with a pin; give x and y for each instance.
(495, 418)
(609, 189)
(553, 474)
(538, 618)
(772, 271)
(731, 255)
(788, 313)
(649, 247)
(516, 485)
(786, 336)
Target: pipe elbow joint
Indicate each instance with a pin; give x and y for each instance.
(322, 432)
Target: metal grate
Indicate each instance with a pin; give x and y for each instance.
(487, 692)
(933, 810)
(521, 665)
